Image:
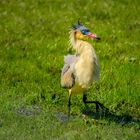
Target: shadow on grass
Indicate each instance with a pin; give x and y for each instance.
(104, 113)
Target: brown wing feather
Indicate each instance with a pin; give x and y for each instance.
(96, 72)
(67, 74)
(67, 79)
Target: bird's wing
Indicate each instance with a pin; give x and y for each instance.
(67, 74)
(96, 71)
(69, 59)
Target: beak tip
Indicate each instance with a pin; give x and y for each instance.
(98, 38)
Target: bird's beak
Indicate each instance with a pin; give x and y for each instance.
(91, 35)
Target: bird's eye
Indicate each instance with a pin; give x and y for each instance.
(85, 32)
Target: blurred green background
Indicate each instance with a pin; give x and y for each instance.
(34, 37)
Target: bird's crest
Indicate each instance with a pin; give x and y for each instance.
(79, 26)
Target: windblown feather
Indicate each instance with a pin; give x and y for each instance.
(67, 74)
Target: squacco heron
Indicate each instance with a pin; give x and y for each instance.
(82, 68)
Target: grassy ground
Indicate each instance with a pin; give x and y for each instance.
(33, 41)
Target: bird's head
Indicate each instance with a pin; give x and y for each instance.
(81, 32)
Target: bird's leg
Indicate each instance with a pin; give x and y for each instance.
(84, 98)
(98, 104)
(69, 103)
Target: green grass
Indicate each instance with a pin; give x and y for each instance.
(34, 39)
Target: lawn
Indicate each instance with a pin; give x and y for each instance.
(34, 37)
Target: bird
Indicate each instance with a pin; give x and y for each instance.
(82, 68)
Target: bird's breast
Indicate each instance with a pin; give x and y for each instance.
(77, 89)
(84, 71)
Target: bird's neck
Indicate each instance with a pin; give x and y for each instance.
(74, 42)
(77, 44)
